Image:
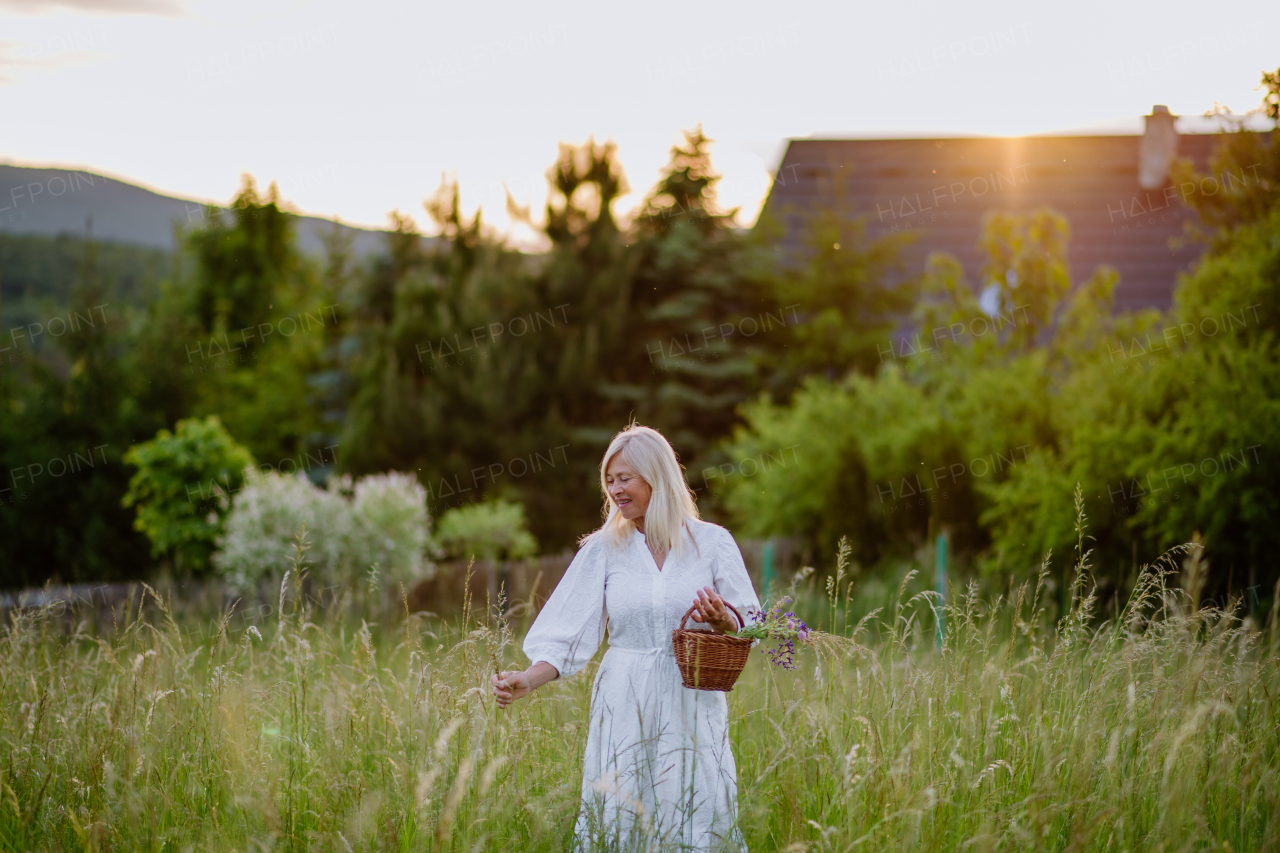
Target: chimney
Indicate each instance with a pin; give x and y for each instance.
(1159, 147)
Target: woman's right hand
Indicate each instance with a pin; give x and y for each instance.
(510, 686)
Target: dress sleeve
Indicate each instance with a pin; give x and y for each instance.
(731, 579)
(571, 624)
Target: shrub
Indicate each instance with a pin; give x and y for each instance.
(489, 531)
(391, 524)
(182, 488)
(382, 519)
(266, 518)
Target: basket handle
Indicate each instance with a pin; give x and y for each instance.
(689, 613)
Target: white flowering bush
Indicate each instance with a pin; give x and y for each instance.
(265, 517)
(381, 519)
(391, 525)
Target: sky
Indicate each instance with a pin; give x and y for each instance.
(358, 109)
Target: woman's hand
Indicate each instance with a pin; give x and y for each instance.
(510, 686)
(516, 684)
(709, 608)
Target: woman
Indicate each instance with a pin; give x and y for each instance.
(658, 771)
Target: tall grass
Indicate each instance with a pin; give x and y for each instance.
(1156, 730)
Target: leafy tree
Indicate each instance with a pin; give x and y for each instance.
(1027, 262)
(1164, 419)
(1238, 207)
(1243, 183)
(885, 457)
(183, 486)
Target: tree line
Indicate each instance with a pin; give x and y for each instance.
(491, 374)
(488, 372)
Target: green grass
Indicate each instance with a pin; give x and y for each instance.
(1156, 730)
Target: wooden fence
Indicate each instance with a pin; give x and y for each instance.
(533, 580)
(444, 593)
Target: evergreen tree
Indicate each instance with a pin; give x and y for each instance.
(241, 263)
(688, 365)
(70, 415)
(258, 327)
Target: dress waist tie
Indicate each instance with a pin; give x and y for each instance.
(666, 651)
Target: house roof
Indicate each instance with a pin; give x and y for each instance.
(939, 190)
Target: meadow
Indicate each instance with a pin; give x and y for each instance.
(1152, 727)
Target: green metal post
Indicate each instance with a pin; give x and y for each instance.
(766, 567)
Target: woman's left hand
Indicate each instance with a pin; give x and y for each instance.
(709, 608)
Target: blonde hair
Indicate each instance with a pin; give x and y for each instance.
(671, 506)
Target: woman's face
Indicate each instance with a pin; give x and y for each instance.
(627, 489)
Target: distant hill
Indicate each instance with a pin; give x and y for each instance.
(56, 201)
(39, 275)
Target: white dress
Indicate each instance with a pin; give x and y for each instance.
(658, 772)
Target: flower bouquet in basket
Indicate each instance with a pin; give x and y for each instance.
(711, 661)
(774, 624)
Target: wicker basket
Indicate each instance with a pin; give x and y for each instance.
(709, 661)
